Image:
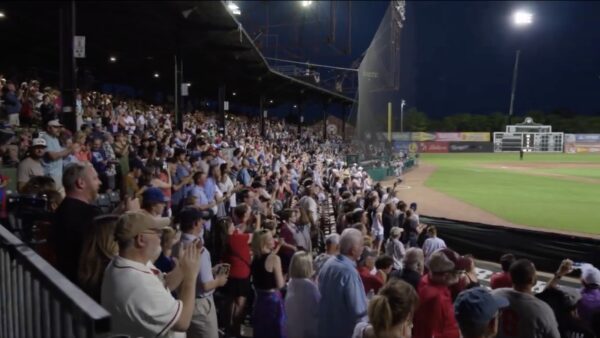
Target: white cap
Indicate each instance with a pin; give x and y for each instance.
(590, 274)
(360, 168)
(54, 123)
(38, 142)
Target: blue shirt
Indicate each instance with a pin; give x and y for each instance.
(53, 169)
(200, 194)
(343, 300)
(180, 173)
(210, 188)
(244, 177)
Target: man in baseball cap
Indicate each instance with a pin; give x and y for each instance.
(133, 289)
(154, 201)
(476, 311)
(31, 166)
(435, 315)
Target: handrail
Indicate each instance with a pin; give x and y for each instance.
(38, 301)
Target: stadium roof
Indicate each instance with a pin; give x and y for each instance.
(146, 36)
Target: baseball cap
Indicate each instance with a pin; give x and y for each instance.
(38, 142)
(396, 231)
(133, 223)
(54, 123)
(477, 305)
(446, 260)
(590, 274)
(153, 195)
(191, 215)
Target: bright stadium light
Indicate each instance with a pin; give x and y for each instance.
(112, 59)
(522, 18)
(2, 15)
(233, 8)
(156, 75)
(271, 101)
(306, 4)
(233, 94)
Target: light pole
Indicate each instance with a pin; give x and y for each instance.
(520, 19)
(402, 104)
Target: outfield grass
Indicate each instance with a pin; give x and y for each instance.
(546, 202)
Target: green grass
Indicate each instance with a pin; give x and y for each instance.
(545, 202)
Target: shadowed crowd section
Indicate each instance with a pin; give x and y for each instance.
(489, 242)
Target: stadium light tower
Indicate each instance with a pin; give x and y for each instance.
(520, 19)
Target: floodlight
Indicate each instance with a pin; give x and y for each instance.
(156, 75)
(306, 4)
(2, 15)
(522, 18)
(112, 59)
(233, 8)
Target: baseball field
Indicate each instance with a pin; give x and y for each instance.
(551, 191)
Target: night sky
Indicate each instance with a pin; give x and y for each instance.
(457, 57)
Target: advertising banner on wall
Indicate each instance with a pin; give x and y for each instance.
(587, 147)
(433, 147)
(471, 147)
(587, 138)
(405, 147)
(569, 144)
(475, 137)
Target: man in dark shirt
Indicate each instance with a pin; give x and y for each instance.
(74, 217)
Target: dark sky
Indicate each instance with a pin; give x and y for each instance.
(458, 57)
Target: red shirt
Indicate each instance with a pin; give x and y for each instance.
(434, 317)
(238, 255)
(370, 282)
(500, 280)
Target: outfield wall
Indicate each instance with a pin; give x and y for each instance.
(421, 142)
(582, 143)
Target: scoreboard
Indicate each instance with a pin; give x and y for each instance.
(529, 137)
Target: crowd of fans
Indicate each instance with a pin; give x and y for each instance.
(217, 232)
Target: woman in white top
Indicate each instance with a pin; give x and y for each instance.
(390, 312)
(377, 223)
(302, 298)
(226, 186)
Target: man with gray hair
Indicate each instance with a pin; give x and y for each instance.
(344, 302)
(413, 264)
(332, 248)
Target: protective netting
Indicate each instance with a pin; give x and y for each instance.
(379, 81)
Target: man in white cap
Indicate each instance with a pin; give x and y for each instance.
(31, 166)
(134, 290)
(53, 159)
(589, 305)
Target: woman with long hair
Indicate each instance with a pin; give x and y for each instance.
(390, 312)
(268, 317)
(97, 251)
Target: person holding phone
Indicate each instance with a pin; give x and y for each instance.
(204, 318)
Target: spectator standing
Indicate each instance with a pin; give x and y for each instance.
(395, 248)
(268, 317)
(526, 315)
(100, 161)
(371, 281)
(477, 312)
(502, 279)
(31, 166)
(389, 220)
(154, 201)
(332, 248)
(204, 319)
(165, 261)
(589, 305)
(390, 312)
(97, 251)
(302, 298)
(435, 315)
(12, 103)
(413, 265)
(74, 217)
(53, 160)
(135, 293)
(339, 281)
(433, 243)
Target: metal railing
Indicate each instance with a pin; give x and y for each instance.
(37, 301)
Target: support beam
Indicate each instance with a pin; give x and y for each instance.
(263, 115)
(68, 78)
(222, 97)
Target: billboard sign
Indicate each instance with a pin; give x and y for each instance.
(433, 147)
(587, 138)
(470, 147)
